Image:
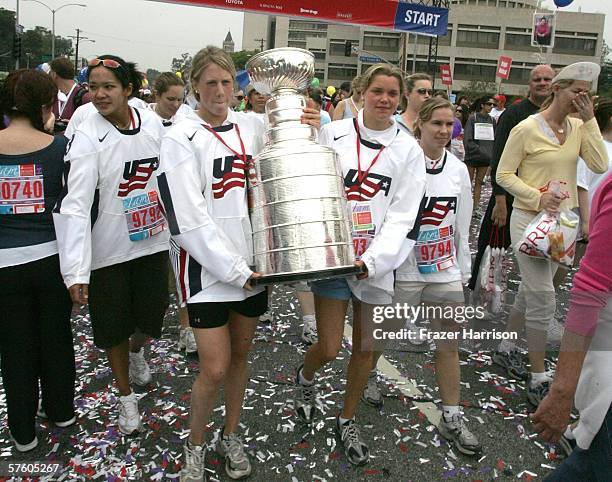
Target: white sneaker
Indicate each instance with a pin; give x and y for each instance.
(555, 331)
(266, 317)
(309, 331)
(140, 373)
(416, 334)
(193, 466)
(187, 341)
(130, 420)
(25, 447)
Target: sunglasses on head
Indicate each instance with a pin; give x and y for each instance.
(425, 91)
(110, 63)
(540, 79)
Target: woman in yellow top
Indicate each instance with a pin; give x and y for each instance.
(544, 148)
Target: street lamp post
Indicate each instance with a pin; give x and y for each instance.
(53, 10)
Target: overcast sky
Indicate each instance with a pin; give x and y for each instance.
(152, 33)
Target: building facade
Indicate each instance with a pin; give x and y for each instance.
(479, 31)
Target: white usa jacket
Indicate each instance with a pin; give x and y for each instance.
(442, 251)
(109, 211)
(392, 191)
(203, 191)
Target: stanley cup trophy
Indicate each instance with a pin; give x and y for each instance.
(297, 203)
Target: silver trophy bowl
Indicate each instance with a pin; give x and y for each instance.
(297, 203)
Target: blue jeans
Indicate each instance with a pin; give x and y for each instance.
(594, 464)
(335, 288)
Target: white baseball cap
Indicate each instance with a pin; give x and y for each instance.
(587, 71)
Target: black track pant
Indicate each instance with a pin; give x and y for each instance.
(35, 345)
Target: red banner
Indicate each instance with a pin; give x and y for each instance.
(503, 67)
(391, 14)
(446, 75)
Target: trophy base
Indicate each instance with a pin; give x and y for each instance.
(284, 278)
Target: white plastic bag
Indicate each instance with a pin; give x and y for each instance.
(552, 236)
(492, 274)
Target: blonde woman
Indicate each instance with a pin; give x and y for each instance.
(211, 245)
(349, 107)
(545, 148)
(418, 90)
(384, 178)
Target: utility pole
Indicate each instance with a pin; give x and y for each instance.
(261, 43)
(78, 39)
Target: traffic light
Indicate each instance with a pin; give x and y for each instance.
(347, 48)
(17, 46)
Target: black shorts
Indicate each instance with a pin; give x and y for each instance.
(128, 296)
(214, 315)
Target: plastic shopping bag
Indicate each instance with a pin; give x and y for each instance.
(492, 274)
(552, 236)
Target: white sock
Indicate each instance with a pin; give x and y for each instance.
(568, 433)
(303, 380)
(309, 319)
(342, 421)
(538, 379)
(506, 346)
(449, 411)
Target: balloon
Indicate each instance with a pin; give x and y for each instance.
(145, 82)
(562, 3)
(331, 90)
(83, 75)
(315, 83)
(179, 74)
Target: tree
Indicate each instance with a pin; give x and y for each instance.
(183, 63)
(152, 74)
(478, 88)
(7, 35)
(240, 58)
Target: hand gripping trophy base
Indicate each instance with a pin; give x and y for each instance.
(297, 203)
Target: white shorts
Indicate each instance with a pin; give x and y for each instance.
(415, 292)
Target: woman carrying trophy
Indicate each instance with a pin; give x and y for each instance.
(384, 179)
(202, 185)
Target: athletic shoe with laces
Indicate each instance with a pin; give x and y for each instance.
(130, 420)
(567, 446)
(536, 394)
(187, 341)
(237, 464)
(371, 393)
(458, 434)
(305, 399)
(355, 449)
(555, 331)
(193, 466)
(309, 331)
(416, 334)
(513, 362)
(266, 317)
(140, 373)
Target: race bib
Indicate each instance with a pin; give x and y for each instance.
(22, 189)
(362, 227)
(143, 216)
(435, 250)
(483, 131)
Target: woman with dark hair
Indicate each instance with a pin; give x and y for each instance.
(478, 138)
(35, 333)
(111, 232)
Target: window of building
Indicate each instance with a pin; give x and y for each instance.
(319, 54)
(304, 25)
(519, 76)
(475, 72)
(319, 74)
(301, 35)
(336, 47)
(575, 46)
(442, 40)
(381, 44)
(296, 44)
(519, 42)
(341, 71)
(479, 39)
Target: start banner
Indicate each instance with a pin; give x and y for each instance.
(391, 14)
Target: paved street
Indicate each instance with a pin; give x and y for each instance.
(404, 443)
